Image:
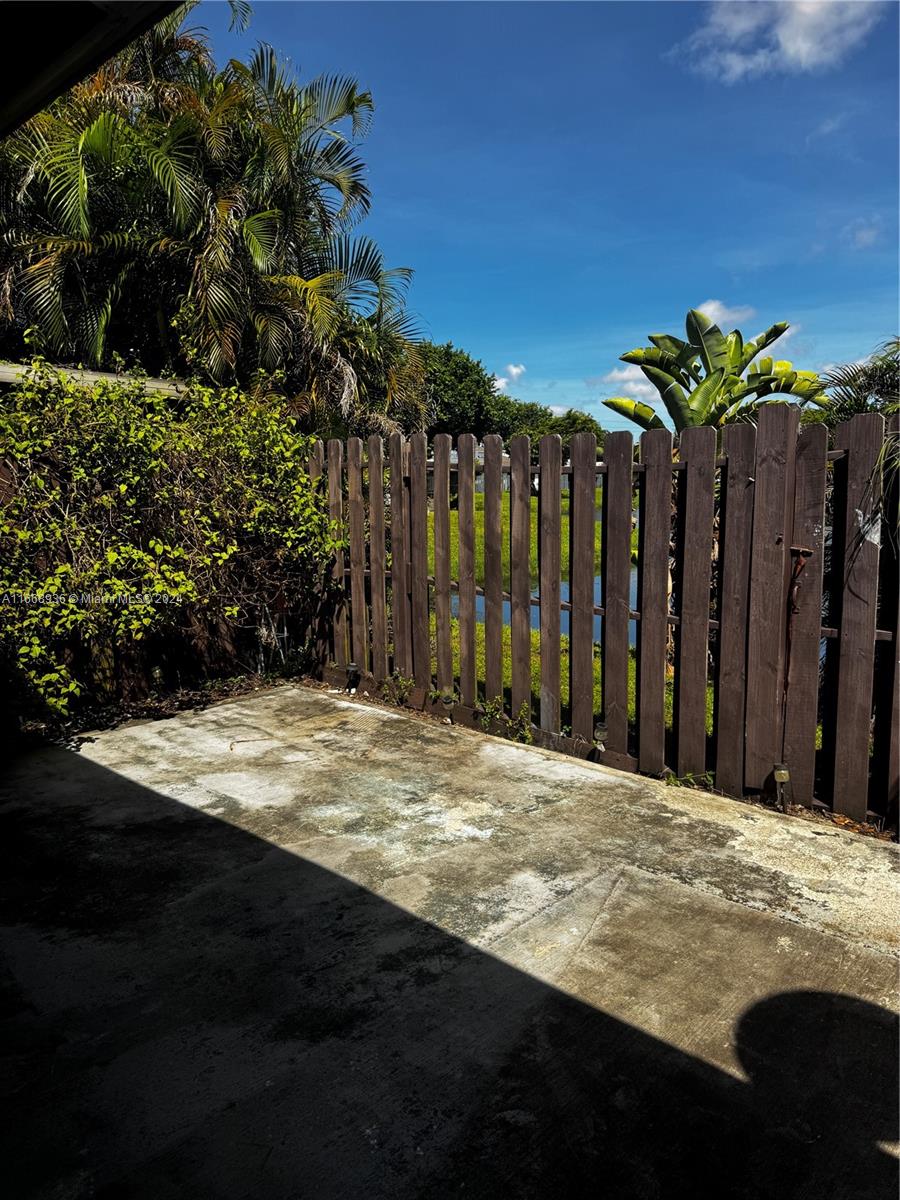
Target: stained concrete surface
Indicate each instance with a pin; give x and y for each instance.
(296, 947)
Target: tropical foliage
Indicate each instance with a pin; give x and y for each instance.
(199, 221)
(144, 545)
(713, 378)
(869, 386)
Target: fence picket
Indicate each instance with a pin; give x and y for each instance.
(698, 451)
(654, 534)
(493, 567)
(442, 628)
(320, 622)
(773, 509)
(582, 506)
(735, 548)
(336, 513)
(401, 618)
(886, 731)
(801, 697)
(862, 438)
(549, 506)
(356, 516)
(618, 454)
(418, 511)
(465, 449)
(520, 572)
(377, 559)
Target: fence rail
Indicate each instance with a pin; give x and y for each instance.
(759, 578)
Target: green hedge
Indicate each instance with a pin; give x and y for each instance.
(146, 541)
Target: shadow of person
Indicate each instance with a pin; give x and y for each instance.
(823, 1071)
(190, 1010)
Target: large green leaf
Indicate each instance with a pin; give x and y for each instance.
(650, 356)
(704, 396)
(709, 340)
(760, 343)
(672, 395)
(634, 410)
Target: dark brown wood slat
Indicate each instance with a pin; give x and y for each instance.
(804, 616)
(493, 567)
(336, 513)
(697, 448)
(735, 546)
(466, 510)
(654, 535)
(377, 567)
(400, 611)
(320, 620)
(773, 510)
(582, 505)
(443, 631)
(356, 516)
(418, 508)
(550, 521)
(862, 438)
(886, 732)
(618, 454)
(520, 572)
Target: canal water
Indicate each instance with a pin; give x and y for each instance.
(564, 615)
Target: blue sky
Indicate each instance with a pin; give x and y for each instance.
(566, 178)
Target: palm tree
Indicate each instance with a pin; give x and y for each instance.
(199, 221)
(713, 378)
(869, 386)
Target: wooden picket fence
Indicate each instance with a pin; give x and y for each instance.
(767, 583)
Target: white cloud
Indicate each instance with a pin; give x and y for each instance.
(629, 381)
(723, 315)
(827, 127)
(862, 233)
(512, 373)
(559, 410)
(743, 39)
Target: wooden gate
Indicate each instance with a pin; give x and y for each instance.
(727, 608)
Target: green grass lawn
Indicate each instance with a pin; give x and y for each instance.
(504, 517)
(564, 673)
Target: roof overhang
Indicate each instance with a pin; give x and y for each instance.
(50, 46)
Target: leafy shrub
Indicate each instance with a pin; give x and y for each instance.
(146, 541)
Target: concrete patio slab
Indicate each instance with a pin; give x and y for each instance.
(294, 946)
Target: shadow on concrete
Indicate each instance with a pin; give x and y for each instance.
(193, 1012)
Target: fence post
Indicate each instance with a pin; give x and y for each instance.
(400, 611)
(773, 508)
(442, 628)
(418, 540)
(697, 450)
(862, 438)
(520, 572)
(356, 514)
(618, 455)
(465, 453)
(319, 621)
(886, 732)
(493, 567)
(377, 560)
(582, 509)
(804, 617)
(336, 513)
(735, 549)
(654, 534)
(549, 550)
